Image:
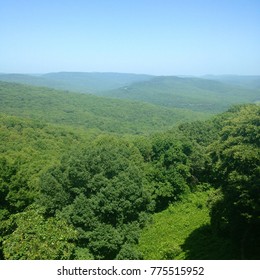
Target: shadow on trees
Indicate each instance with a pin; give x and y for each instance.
(204, 244)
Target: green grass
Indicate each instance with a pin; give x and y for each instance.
(183, 231)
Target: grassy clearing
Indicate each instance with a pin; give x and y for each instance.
(183, 231)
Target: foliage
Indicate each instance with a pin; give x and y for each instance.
(36, 238)
(99, 190)
(69, 192)
(196, 94)
(207, 94)
(88, 111)
(236, 161)
(164, 237)
(170, 168)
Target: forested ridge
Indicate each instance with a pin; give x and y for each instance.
(88, 111)
(71, 188)
(206, 94)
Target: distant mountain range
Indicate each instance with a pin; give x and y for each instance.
(196, 94)
(211, 94)
(77, 81)
(252, 81)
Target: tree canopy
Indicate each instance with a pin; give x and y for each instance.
(72, 192)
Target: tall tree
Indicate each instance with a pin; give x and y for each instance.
(236, 164)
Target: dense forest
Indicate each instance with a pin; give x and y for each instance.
(208, 94)
(87, 177)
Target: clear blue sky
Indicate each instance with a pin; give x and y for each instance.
(161, 37)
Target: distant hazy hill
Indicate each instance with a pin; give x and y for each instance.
(89, 111)
(211, 94)
(77, 81)
(193, 93)
(252, 82)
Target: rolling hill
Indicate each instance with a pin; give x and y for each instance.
(77, 81)
(211, 94)
(89, 111)
(76, 185)
(248, 81)
(192, 93)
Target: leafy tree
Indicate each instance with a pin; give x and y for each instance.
(129, 252)
(6, 171)
(54, 195)
(170, 168)
(236, 165)
(97, 190)
(105, 241)
(36, 238)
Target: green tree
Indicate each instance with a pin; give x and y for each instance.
(36, 238)
(105, 241)
(169, 173)
(236, 168)
(98, 189)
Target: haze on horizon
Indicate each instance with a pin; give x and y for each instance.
(158, 37)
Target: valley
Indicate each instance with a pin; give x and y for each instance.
(125, 166)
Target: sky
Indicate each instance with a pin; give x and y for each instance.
(159, 37)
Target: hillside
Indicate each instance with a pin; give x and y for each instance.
(188, 193)
(192, 93)
(211, 94)
(77, 81)
(252, 82)
(89, 177)
(182, 231)
(89, 111)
